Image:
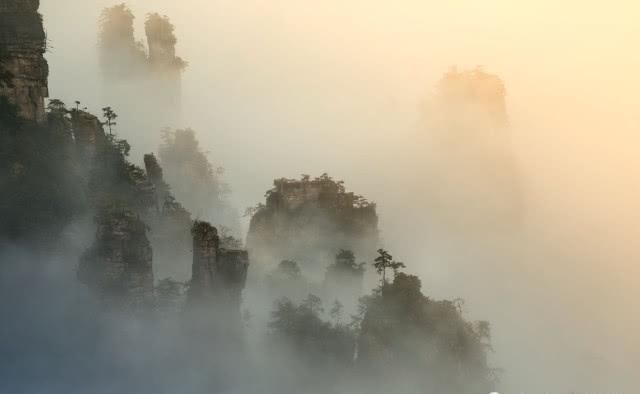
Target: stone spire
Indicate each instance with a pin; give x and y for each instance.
(218, 274)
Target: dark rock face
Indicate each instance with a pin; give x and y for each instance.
(23, 68)
(205, 257)
(232, 273)
(118, 266)
(309, 221)
(218, 275)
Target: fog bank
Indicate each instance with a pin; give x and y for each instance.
(284, 88)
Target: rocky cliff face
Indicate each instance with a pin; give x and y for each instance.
(309, 221)
(23, 68)
(87, 133)
(118, 267)
(218, 275)
(64, 165)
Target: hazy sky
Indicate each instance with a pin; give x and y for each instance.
(285, 87)
(263, 71)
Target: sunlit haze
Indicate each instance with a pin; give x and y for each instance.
(287, 87)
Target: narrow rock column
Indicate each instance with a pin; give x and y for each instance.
(218, 275)
(205, 256)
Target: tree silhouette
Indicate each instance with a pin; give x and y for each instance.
(385, 261)
(345, 263)
(111, 116)
(56, 106)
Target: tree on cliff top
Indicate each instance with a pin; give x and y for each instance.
(385, 261)
(428, 341)
(57, 106)
(110, 116)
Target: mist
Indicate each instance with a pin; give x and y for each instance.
(279, 89)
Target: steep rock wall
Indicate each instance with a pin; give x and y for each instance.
(118, 267)
(23, 68)
(218, 275)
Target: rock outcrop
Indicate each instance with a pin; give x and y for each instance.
(23, 68)
(233, 265)
(122, 57)
(139, 77)
(474, 177)
(218, 275)
(118, 267)
(162, 60)
(309, 221)
(87, 133)
(472, 101)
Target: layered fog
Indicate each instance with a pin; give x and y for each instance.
(532, 222)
